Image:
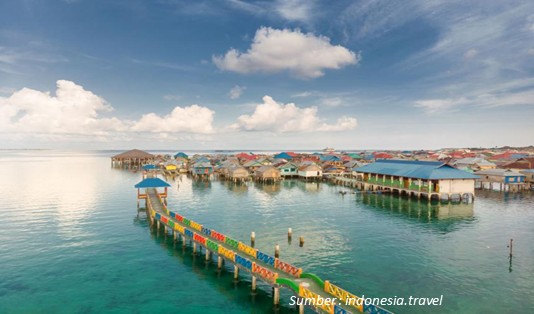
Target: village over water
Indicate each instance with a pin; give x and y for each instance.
(446, 174)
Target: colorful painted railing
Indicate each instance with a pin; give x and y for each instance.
(309, 295)
(287, 268)
(263, 272)
(345, 296)
(247, 249)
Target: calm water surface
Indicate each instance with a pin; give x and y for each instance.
(71, 241)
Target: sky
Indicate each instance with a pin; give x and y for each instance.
(284, 74)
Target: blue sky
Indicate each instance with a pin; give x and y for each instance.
(266, 74)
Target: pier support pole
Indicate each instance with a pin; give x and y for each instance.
(208, 255)
(301, 307)
(194, 247)
(253, 284)
(277, 251)
(175, 236)
(289, 234)
(158, 225)
(276, 294)
(236, 273)
(252, 238)
(219, 262)
(301, 241)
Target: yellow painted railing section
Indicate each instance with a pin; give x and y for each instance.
(229, 254)
(179, 228)
(307, 294)
(196, 225)
(345, 296)
(247, 249)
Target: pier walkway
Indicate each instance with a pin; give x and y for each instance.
(307, 287)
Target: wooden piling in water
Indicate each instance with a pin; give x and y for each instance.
(252, 238)
(236, 272)
(277, 251)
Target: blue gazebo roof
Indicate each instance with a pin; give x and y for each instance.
(429, 170)
(152, 183)
(149, 167)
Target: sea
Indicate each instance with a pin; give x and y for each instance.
(72, 240)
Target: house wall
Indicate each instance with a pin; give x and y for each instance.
(455, 186)
(310, 174)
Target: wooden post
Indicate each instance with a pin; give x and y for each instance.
(253, 283)
(208, 255)
(194, 247)
(301, 241)
(236, 272)
(289, 234)
(276, 294)
(252, 238)
(277, 251)
(301, 307)
(219, 262)
(511, 247)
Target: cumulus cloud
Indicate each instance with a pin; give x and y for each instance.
(278, 117)
(192, 119)
(76, 111)
(73, 110)
(236, 92)
(303, 55)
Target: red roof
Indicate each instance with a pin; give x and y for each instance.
(245, 156)
(505, 155)
(382, 156)
(292, 154)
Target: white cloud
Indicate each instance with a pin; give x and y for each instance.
(72, 111)
(512, 93)
(278, 117)
(236, 92)
(295, 10)
(75, 111)
(290, 10)
(432, 106)
(303, 55)
(471, 53)
(191, 119)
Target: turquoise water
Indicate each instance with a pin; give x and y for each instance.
(71, 241)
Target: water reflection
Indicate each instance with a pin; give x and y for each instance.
(268, 188)
(445, 217)
(235, 187)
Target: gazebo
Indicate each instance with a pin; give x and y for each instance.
(132, 158)
(151, 183)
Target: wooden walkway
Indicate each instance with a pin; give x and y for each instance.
(308, 287)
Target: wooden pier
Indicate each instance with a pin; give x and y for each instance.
(269, 269)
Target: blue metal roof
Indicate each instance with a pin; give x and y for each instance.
(149, 167)
(152, 183)
(283, 155)
(428, 170)
(181, 154)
